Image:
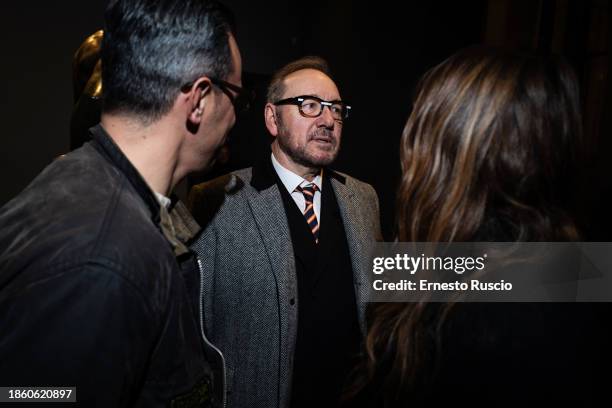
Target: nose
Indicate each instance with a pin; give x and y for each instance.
(326, 117)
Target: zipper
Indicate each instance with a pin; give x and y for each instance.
(208, 343)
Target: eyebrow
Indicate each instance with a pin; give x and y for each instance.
(324, 99)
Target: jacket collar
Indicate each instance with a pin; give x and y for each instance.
(105, 145)
(177, 225)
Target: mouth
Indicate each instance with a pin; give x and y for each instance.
(322, 139)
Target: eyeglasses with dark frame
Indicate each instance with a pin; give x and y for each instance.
(311, 106)
(240, 97)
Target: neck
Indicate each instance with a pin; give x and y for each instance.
(152, 149)
(306, 172)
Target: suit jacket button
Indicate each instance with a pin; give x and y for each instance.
(292, 301)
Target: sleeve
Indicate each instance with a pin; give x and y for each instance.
(87, 327)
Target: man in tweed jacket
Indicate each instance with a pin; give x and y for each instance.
(284, 250)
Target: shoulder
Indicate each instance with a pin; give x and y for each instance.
(226, 184)
(364, 208)
(206, 199)
(352, 184)
(82, 209)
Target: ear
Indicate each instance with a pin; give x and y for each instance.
(270, 118)
(198, 96)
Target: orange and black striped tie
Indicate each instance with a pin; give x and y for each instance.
(309, 213)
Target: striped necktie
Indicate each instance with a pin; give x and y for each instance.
(309, 213)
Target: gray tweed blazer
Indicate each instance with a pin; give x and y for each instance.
(250, 287)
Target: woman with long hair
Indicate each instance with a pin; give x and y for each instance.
(489, 153)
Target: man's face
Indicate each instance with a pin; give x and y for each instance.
(308, 142)
(213, 137)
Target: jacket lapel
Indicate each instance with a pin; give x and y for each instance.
(266, 203)
(269, 214)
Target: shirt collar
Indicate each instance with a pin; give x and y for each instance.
(291, 180)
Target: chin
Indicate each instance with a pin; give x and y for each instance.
(322, 161)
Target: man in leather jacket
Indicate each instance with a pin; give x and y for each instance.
(98, 289)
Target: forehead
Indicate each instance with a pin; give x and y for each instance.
(310, 82)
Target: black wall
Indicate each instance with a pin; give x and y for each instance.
(37, 40)
(377, 51)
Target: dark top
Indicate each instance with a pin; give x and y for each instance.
(506, 354)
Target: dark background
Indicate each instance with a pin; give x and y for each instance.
(377, 52)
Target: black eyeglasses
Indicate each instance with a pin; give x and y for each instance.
(312, 106)
(241, 98)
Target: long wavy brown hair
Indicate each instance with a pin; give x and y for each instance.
(488, 154)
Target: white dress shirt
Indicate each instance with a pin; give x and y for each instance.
(292, 181)
(163, 200)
